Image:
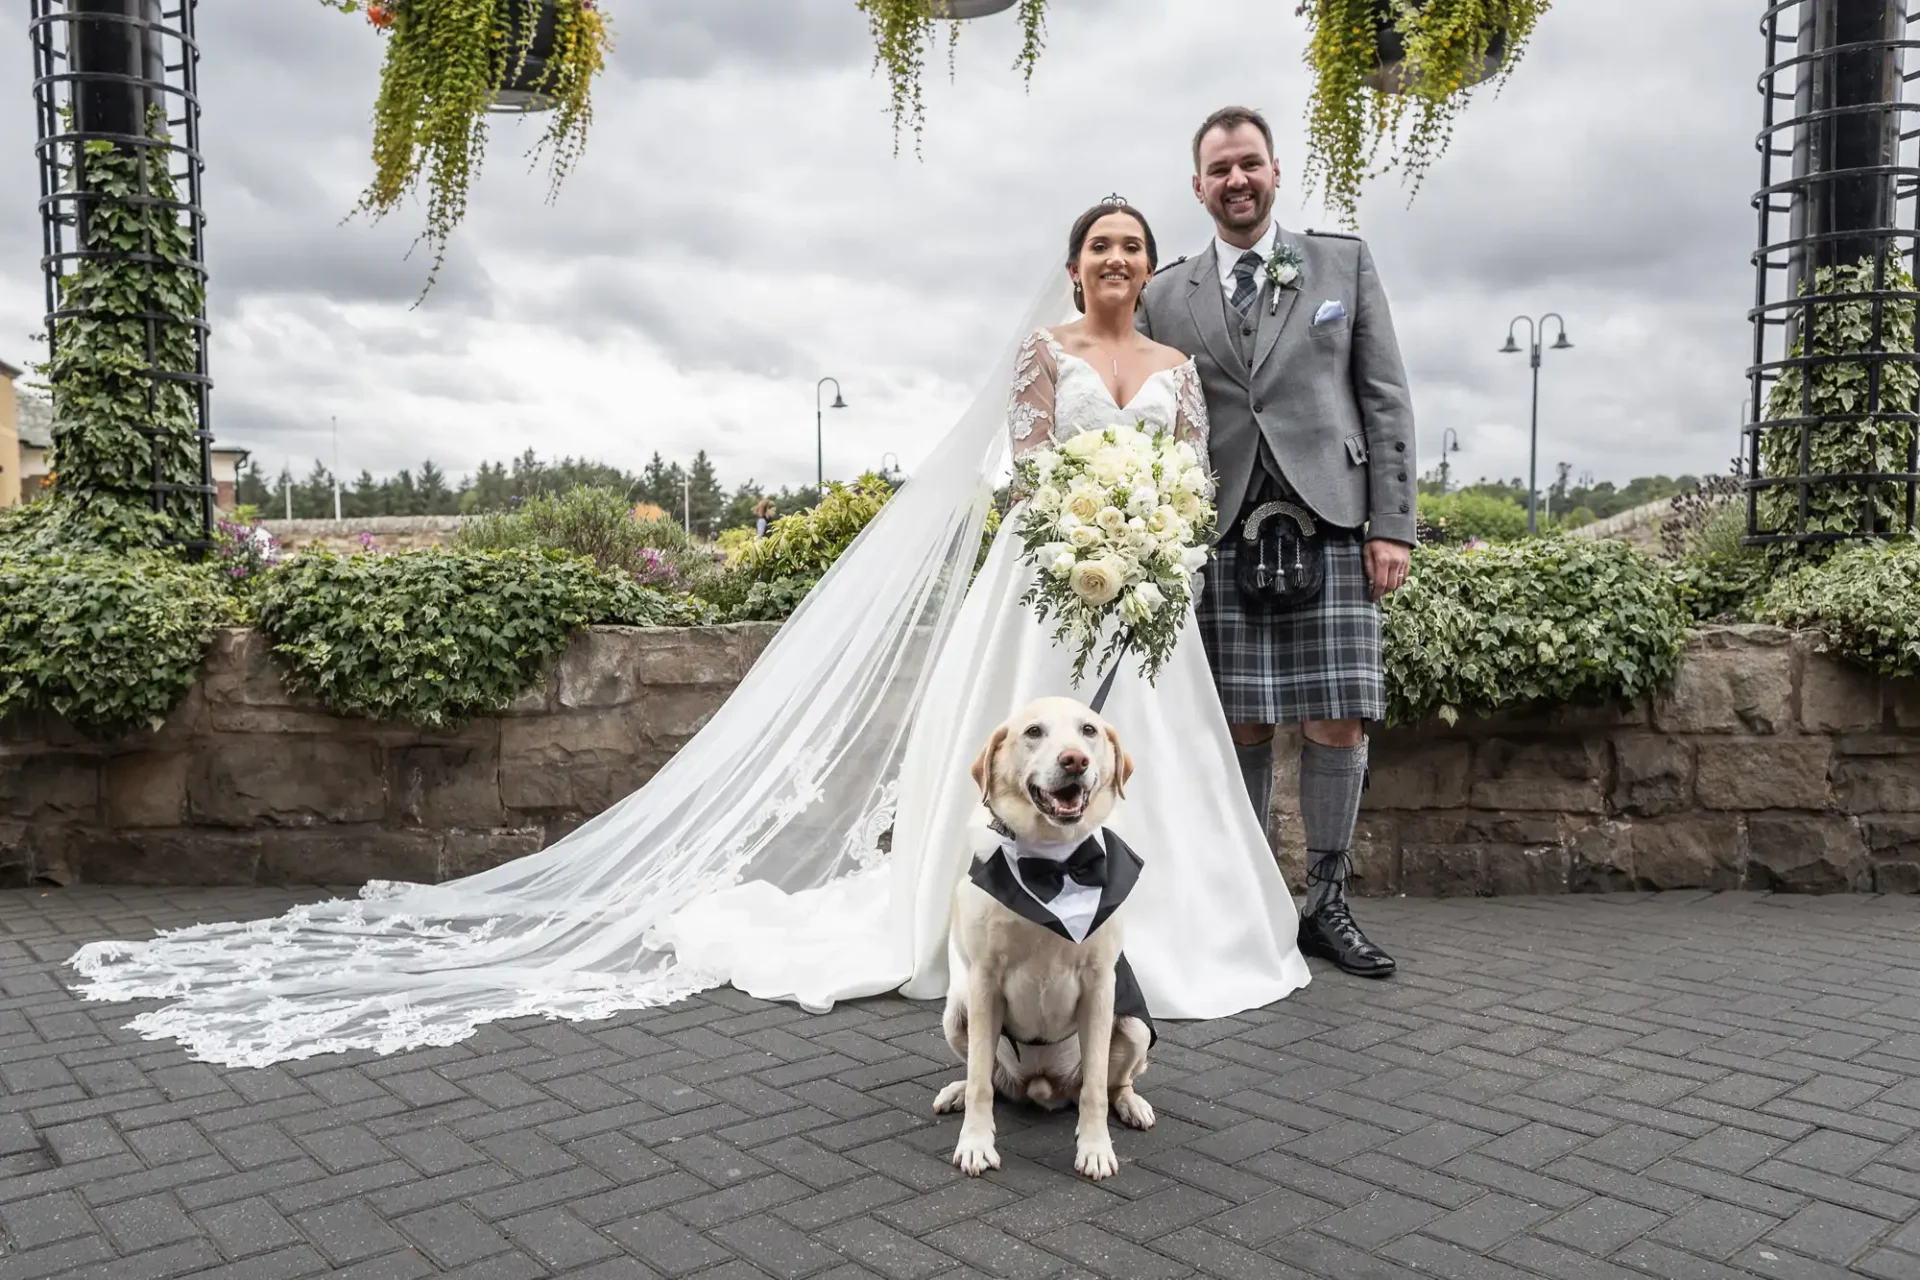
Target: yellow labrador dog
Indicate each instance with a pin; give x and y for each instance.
(1041, 1004)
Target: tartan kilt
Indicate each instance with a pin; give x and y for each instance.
(1317, 662)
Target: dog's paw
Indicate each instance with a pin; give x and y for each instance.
(1134, 1111)
(975, 1154)
(1096, 1160)
(950, 1099)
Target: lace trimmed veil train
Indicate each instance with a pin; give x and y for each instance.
(754, 856)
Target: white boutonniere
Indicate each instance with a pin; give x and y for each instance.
(1283, 272)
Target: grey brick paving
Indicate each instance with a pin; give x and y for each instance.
(1584, 1088)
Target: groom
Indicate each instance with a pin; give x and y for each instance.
(1309, 406)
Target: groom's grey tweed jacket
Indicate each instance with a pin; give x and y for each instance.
(1330, 398)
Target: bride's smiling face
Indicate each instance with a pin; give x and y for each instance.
(1114, 263)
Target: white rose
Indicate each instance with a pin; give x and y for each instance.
(1187, 504)
(1185, 454)
(1084, 506)
(1109, 467)
(1142, 500)
(1044, 462)
(1083, 446)
(1285, 273)
(1128, 437)
(1084, 536)
(1164, 522)
(1193, 480)
(1111, 519)
(1063, 564)
(1096, 581)
(1193, 559)
(1046, 499)
(1141, 543)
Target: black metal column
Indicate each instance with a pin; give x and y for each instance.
(103, 69)
(1840, 119)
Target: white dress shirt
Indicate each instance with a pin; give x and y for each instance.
(1228, 255)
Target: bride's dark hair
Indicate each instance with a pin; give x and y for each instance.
(1077, 238)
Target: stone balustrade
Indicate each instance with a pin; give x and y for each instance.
(1766, 766)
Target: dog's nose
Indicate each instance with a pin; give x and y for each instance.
(1073, 761)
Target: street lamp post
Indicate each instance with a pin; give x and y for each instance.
(1534, 329)
(336, 467)
(820, 435)
(1449, 443)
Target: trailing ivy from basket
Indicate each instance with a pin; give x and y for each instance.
(124, 416)
(447, 62)
(1450, 46)
(904, 34)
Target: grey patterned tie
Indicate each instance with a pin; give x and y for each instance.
(1244, 288)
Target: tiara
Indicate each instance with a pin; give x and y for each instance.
(1115, 198)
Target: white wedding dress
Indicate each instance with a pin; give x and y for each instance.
(759, 855)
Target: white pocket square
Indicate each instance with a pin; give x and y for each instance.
(1329, 311)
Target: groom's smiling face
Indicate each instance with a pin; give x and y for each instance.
(1236, 179)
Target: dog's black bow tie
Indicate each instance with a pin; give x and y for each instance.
(1046, 877)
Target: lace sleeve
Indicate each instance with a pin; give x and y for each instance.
(1030, 402)
(1190, 409)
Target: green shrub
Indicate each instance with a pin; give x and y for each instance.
(805, 544)
(435, 636)
(597, 523)
(1548, 621)
(1866, 599)
(1475, 515)
(1720, 588)
(109, 641)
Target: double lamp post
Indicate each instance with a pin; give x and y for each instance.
(1535, 330)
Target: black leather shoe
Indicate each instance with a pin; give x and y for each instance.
(1331, 934)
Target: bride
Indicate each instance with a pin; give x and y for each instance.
(805, 845)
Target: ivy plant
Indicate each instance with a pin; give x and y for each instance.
(1546, 621)
(1851, 442)
(436, 636)
(109, 640)
(446, 63)
(1360, 109)
(1865, 600)
(125, 415)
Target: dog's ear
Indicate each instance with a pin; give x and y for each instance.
(1122, 763)
(983, 766)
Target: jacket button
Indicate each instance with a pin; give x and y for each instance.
(1258, 407)
(1400, 446)
(1246, 331)
(1403, 508)
(1403, 475)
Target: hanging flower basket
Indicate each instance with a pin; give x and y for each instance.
(524, 77)
(1389, 78)
(451, 62)
(1394, 75)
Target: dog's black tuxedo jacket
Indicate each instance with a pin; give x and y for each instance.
(1104, 859)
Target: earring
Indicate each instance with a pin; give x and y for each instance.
(1079, 296)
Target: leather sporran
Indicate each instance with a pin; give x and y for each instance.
(1282, 558)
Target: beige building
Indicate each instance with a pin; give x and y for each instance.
(26, 448)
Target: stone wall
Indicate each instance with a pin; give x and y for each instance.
(246, 784)
(1766, 766)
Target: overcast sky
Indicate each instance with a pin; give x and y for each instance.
(740, 227)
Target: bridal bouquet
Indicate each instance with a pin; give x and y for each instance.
(1118, 523)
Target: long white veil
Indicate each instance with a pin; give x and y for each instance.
(789, 787)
